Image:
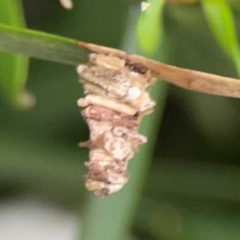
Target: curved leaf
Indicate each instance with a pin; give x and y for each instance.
(14, 67)
(221, 22)
(149, 26)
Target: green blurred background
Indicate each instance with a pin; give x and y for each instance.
(193, 187)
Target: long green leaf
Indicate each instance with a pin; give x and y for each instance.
(13, 67)
(41, 45)
(220, 18)
(111, 217)
(149, 27)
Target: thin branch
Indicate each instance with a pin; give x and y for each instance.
(59, 49)
(184, 78)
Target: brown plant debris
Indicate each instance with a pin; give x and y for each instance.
(115, 102)
(185, 78)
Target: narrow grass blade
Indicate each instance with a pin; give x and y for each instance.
(41, 45)
(110, 218)
(220, 18)
(14, 67)
(149, 27)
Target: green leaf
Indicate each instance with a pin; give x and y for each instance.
(41, 45)
(149, 26)
(221, 22)
(14, 67)
(111, 217)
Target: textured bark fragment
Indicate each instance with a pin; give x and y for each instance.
(115, 102)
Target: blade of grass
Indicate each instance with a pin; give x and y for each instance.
(220, 18)
(149, 26)
(14, 67)
(111, 217)
(41, 45)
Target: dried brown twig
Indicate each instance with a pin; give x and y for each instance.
(184, 78)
